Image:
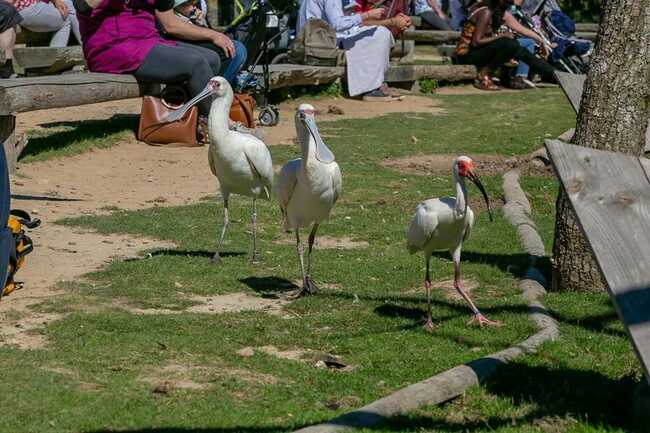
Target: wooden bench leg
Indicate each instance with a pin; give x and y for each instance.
(8, 136)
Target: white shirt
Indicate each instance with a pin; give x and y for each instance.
(330, 11)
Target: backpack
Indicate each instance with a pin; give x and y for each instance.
(21, 246)
(315, 45)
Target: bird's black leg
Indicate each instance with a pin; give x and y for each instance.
(428, 321)
(216, 258)
(311, 285)
(255, 255)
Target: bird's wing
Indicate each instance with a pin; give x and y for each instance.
(470, 223)
(211, 161)
(337, 181)
(259, 159)
(423, 224)
(286, 181)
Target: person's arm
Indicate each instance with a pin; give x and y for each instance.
(400, 21)
(182, 29)
(436, 8)
(483, 30)
(514, 25)
(333, 10)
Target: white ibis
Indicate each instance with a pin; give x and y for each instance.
(241, 162)
(443, 224)
(307, 188)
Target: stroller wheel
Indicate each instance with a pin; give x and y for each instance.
(280, 58)
(269, 116)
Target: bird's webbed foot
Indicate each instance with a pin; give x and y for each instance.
(427, 324)
(309, 287)
(215, 259)
(480, 320)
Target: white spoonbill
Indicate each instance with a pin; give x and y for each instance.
(443, 224)
(241, 162)
(307, 188)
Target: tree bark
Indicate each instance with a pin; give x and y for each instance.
(613, 116)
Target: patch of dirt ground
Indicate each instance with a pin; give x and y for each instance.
(330, 242)
(219, 304)
(447, 288)
(129, 175)
(486, 164)
(196, 377)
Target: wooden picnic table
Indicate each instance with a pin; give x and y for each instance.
(610, 193)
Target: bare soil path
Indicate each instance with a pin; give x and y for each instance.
(129, 175)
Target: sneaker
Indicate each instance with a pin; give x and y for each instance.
(377, 95)
(519, 83)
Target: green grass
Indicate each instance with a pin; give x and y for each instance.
(62, 139)
(93, 375)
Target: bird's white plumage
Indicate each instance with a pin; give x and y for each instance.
(307, 188)
(436, 225)
(240, 161)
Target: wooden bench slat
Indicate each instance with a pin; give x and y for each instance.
(48, 60)
(36, 93)
(610, 194)
(572, 85)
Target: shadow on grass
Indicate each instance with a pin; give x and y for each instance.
(515, 264)
(41, 198)
(201, 430)
(197, 253)
(269, 285)
(84, 130)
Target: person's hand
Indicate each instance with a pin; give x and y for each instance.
(61, 7)
(225, 43)
(401, 21)
(507, 35)
(373, 14)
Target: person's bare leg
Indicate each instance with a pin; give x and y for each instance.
(7, 43)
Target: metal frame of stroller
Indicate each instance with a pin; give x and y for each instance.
(269, 114)
(542, 9)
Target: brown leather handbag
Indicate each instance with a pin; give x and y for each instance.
(154, 131)
(242, 108)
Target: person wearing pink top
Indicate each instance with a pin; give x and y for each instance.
(120, 37)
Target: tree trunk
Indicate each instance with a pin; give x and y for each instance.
(613, 116)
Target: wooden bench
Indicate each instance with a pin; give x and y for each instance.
(573, 86)
(22, 95)
(610, 193)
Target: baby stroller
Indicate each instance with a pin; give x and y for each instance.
(267, 37)
(553, 25)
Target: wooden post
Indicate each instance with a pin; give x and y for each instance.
(8, 137)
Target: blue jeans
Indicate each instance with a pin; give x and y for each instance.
(234, 64)
(529, 45)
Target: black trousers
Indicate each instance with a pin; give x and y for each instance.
(432, 20)
(494, 54)
(181, 63)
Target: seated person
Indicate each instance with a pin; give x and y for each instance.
(9, 19)
(432, 15)
(121, 38)
(367, 44)
(482, 46)
(190, 11)
(527, 39)
(56, 16)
